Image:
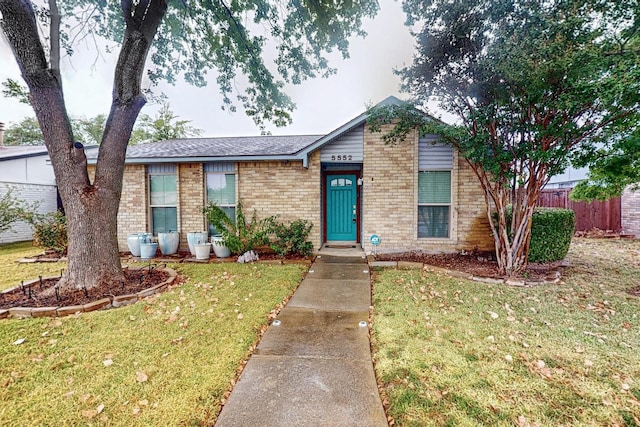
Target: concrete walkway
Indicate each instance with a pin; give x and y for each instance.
(314, 368)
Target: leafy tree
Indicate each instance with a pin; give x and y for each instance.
(614, 164)
(13, 89)
(183, 39)
(165, 125)
(611, 170)
(88, 131)
(25, 132)
(531, 83)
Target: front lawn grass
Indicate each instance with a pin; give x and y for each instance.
(167, 360)
(460, 353)
(12, 272)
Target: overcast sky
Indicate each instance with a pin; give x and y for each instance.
(322, 104)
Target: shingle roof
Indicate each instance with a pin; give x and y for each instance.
(294, 147)
(248, 146)
(8, 152)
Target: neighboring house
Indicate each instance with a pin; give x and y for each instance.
(568, 179)
(26, 171)
(631, 212)
(415, 195)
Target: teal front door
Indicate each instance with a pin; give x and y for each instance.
(342, 221)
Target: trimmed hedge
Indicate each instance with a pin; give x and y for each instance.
(551, 233)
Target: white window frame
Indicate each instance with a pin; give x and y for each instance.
(161, 170)
(449, 205)
(432, 158)
(222, 169)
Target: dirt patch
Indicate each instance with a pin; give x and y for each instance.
(475, 263)
(596, 233)
(44, 293)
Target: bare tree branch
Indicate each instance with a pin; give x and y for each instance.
(54, 40)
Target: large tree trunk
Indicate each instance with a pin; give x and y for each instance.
(91, 208)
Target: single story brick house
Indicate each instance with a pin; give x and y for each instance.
(416, 195)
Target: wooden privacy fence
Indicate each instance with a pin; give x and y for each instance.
(605, 215)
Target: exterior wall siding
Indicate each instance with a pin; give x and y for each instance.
(631, 212)
(45, 195)
(285, 189)
(348, 147)
(28, 170)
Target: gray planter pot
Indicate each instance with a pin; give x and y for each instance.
(219, 249)
(148, 250)
(196, 237)
(169, 242)
(202, 250)
(134, 240)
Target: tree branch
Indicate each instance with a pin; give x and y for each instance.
(20, 27)
(54, 40)
(140, 31)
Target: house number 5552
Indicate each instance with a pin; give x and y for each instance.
(342, 157)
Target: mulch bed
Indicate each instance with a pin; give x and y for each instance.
(476, 263)
(44, 294)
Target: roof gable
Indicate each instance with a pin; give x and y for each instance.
(350, 125)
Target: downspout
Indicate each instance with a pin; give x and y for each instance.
(1, 134)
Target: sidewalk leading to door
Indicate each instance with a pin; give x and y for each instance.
(314, 369)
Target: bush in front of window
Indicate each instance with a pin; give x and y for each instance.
(551, 233)
(292, 238)
(242, 235)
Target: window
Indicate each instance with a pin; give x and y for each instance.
(221, 188)
(341, 182)
(163, 198)
(434, 188)
(434, 202)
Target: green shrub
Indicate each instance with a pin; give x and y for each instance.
(551, 233)
(13, 209)
(49, 231)
(240, 236)
(292, 239)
